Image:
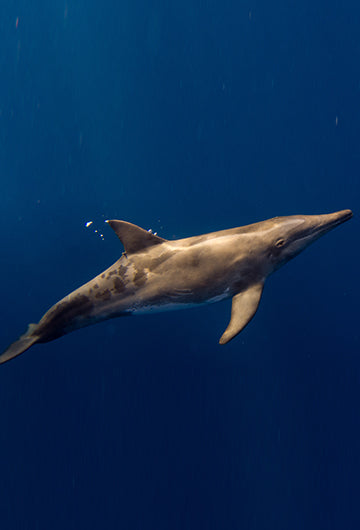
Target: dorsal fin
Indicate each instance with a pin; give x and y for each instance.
(133, 237)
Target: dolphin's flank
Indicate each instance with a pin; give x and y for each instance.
(154, 274)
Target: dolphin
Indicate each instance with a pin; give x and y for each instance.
(155, 274)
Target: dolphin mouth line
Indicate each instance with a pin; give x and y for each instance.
(318, 231)
(345, 216)
(322, 229)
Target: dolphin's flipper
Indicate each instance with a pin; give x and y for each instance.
(19, 346)
(244, 306)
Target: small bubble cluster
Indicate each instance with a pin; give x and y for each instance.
(88, 224)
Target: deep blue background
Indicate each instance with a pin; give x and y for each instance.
(185, 117)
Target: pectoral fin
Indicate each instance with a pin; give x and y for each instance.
(244, 306)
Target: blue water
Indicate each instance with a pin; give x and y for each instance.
(184, 117)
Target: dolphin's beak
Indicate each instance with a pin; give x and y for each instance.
(338, 217)
(311, 228)
(329, 221)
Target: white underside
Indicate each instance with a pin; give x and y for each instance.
(146, 309)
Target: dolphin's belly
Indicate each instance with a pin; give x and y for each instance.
(170, 303)
(146, 309)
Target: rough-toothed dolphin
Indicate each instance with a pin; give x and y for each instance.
(154, 274)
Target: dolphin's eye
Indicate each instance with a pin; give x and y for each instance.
(280, 243)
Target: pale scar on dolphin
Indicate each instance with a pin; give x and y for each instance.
(155, 274)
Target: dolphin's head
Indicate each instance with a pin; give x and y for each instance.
(286, 237)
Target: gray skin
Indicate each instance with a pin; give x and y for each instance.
(155, 274)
